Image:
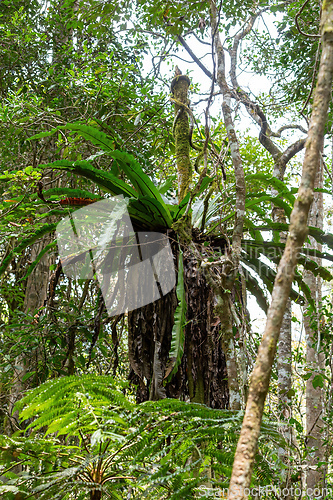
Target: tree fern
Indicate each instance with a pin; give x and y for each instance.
(112, 444)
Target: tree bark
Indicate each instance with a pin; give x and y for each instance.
(284, 388)
(284, 359)
(248, 440)
(202, 374)
(315, 360)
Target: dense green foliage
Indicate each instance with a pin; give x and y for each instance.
(85, 115)
(114, 446)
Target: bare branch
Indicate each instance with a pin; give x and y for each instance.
(199, 40)
(326, 168)
(220, 76)
(233, 52)
(233, 142)
(194, 57)
(287, 127)
(313, 78)
(291, 151)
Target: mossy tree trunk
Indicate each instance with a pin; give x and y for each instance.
(179, 88)
(201, 376)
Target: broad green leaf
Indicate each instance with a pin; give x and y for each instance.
(272, 199)
(105, 180)
(70, 193)
(136, 175)
(318, 381)
(275, 183)
(256, 290)
(318, 234)
(167, 185)
(151, 210)
(253, 230)
(267, 274)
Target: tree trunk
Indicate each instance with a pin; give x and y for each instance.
(202, 374)
(223, 309)
(284, 359)
(179, 89)
(95, 495)
(35, 295)
(315, 360)
(230, 266)
(248, 440)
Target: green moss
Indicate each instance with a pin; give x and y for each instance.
(183, 228)
(179, 87)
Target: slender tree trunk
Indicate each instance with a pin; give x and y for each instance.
(285, 400)
(223, 309)
(284, 359)
(230, 266)
(315, 359)
(284, 366)
(248, 440)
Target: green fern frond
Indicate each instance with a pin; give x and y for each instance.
(165, 447)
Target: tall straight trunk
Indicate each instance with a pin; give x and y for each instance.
(223, 309)
(284, 346)
(315, 359)
(284, 366)
(284, 359)
(248, 440)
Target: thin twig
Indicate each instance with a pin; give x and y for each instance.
(298, 26)
(313, 78)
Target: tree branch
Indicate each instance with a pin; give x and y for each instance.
(287, 127)
(291, 151)
(233, 52)
(194, 57)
